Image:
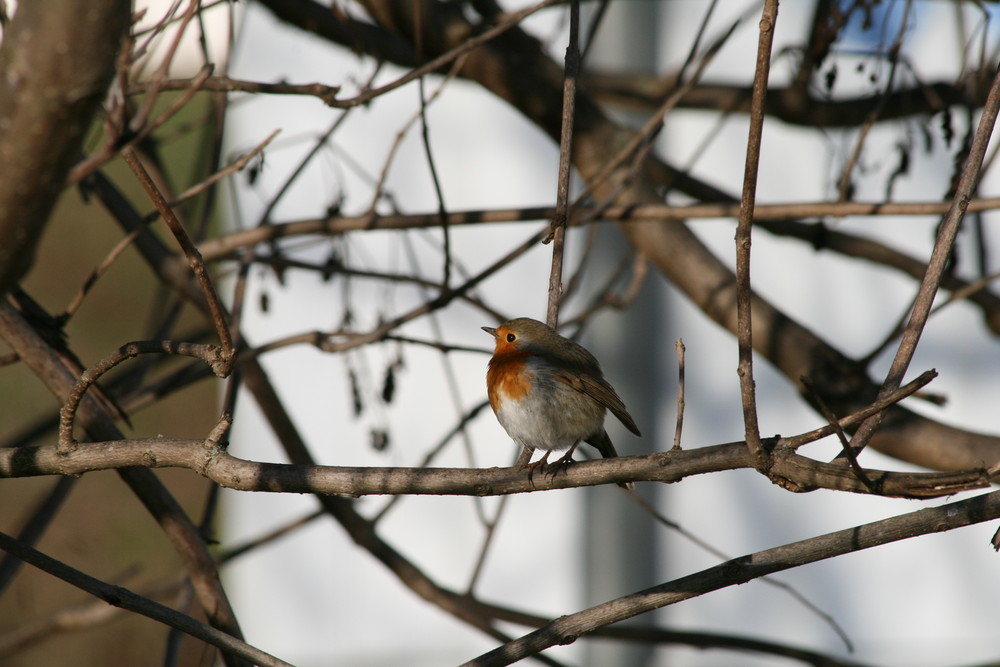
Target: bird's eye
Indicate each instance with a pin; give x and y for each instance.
(511, 338)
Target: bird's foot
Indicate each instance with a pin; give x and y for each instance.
(563, 462)
(532, 467)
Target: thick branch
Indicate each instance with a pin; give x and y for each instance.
(56, 61)
(798, 472)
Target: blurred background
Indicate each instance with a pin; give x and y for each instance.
(313, 596)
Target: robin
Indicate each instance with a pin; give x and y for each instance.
(548, 392)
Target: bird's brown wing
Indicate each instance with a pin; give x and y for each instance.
(602, 392)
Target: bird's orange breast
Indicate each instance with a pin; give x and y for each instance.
(507, 379)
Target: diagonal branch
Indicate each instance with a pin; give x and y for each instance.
(184, 536)
(126, 599)
(197, 264)
(939, 258)
(567, 629)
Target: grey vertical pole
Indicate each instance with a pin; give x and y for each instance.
(620, 540)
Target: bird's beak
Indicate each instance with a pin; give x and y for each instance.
(490, 330)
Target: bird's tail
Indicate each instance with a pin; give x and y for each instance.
(603, 444)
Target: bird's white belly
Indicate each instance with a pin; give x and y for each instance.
(556, 422)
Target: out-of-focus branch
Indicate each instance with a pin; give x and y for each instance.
(790, 105)
(647, 92)
(566, 629)
(765, 215)
(50, 88)
(126, 599)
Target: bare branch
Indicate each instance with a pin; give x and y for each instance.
(225, 244)
(178, 527)
(219, 317)
(567, 629)
(794, 471)
(679, 426)
(744, 327)
(939, 258)
(126, 599)
(557, 226)
(210, 354)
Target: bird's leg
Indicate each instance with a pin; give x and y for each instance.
(540, 462)
(524, 457)
(567, 458)
(563, 462)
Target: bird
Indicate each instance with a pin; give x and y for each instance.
(549, 392)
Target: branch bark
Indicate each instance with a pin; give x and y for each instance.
(56, 61)
(796, 472)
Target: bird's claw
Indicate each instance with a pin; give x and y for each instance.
(562, 463)
(531, 467)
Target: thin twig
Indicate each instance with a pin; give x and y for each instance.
(219, 317)
(236, 165)
(429, 457)
(425, 139)
(442, 217)
(678, 428)
(557, 228)
(225, 84)
(845, 444)
(721, 555)
(98, 271)
(210, 354)
(607, 296)
(858, 417)
(744, 296)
